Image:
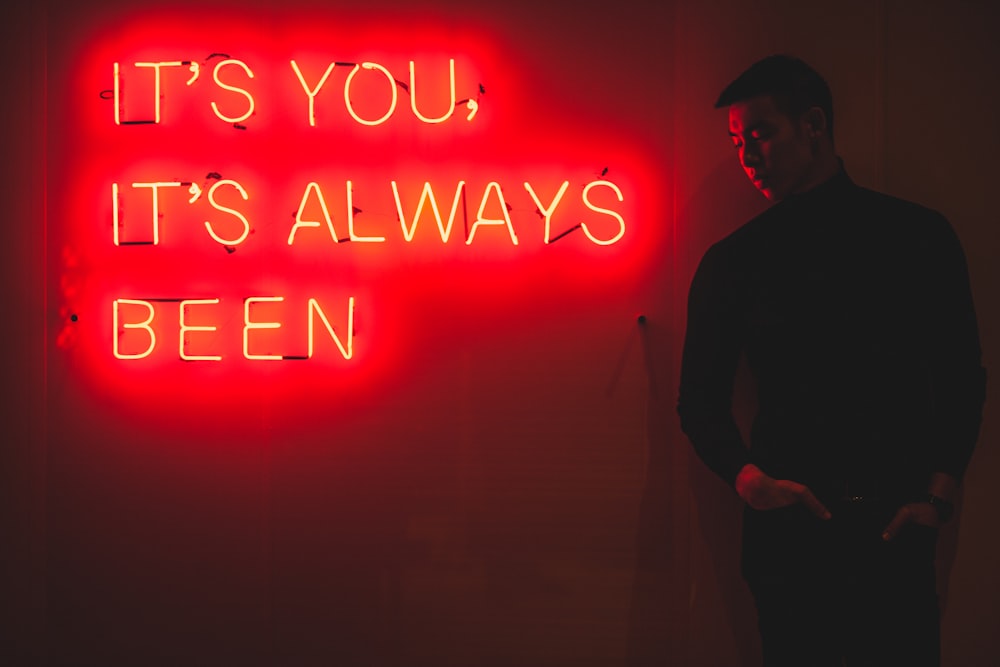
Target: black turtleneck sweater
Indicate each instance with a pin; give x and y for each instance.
(854, 312)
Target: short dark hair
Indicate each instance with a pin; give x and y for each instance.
(795, 86)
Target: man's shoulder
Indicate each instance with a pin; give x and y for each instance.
(853, 209)
(752, 231)
(904, 222)
(881, 202)
(855, 203)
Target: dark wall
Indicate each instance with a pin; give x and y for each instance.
(498, 477)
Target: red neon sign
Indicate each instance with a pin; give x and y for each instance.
(350, 207)
(311, 91)
(340, 227)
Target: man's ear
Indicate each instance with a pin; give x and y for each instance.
(814, 120)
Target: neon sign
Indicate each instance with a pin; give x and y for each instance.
(472, 104)
(137, 315)
(463, 211)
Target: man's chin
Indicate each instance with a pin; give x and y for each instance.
(767, 189)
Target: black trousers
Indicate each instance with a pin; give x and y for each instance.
(834, 593)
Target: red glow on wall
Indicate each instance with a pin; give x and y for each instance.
(322, 209)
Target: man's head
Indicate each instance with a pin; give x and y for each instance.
(781, 122)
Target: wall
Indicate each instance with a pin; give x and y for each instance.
(496, 477)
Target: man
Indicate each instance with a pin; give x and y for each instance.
(853, 312)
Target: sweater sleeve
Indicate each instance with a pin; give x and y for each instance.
(956, 377)
(712, 347)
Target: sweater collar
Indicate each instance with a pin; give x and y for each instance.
(831, 188)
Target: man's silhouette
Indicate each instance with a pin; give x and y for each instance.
(855, 317)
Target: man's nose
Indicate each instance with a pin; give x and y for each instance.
(749, 155)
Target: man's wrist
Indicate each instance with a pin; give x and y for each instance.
(747, 477)
(945, 508)
(940, 491)
(942, 485)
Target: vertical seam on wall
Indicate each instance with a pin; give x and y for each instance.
(679, 300)
(40, 24)
(882, 96)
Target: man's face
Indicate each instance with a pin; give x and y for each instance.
(775, 151)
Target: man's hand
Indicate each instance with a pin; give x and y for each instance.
(763, 492)
(941, 485)
(922, 514)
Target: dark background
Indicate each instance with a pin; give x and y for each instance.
(501, 481)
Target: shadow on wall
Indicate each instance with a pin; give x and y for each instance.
(717, 509)
(658, 621)
(690, 605)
